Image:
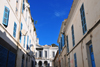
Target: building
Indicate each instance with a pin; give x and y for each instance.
(56, 60)
(44, 55)
(62, 47)
(17, 35)
(81, 35)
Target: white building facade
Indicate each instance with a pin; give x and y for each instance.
(17, 35)
(44, 55)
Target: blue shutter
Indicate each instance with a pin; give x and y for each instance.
(22, 65)
(27, 41)
(11, 60)
(20, 32)
(67, 45)
(23, 7)
(59, 48)
(3, 56)
(24, 41)
(73, 39)
(14, 30)
(30, 43)
(83, 20)
(6, 16)
(61, 43)
(75, 60)
(62, 39)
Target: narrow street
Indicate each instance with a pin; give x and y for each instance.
(49, 33)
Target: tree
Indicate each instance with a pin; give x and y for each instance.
(54, 45)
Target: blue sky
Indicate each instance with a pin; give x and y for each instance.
(49, 14)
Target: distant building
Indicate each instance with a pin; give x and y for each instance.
(44, 55)
(17, 35)
(80, 35)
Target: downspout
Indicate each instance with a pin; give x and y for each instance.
(82, 54)
(19, 32)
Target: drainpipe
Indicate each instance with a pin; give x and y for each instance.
(82, 53)
(19, 31)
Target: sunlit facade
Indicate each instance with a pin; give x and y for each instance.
(79, 35)
(17, 35)
(44, 55)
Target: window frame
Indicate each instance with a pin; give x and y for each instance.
(83, 19)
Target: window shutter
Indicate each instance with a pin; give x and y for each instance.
(11, 59)
(20, 31)
(83, 19)
(24, 41)
(14, 30)
(3, 56)
(6, 16)
(75, 60)
(73, 39)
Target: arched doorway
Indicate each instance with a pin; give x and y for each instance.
(45, 63)
(35, 63)
(40, 63)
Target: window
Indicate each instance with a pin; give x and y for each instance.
(36, 55)
(26, 62)
(68, 62)
(27, 42)
(63, 40)
(23, 6)
(83, 20)
(40, 53)
(16, 1)
(22, 65)
(20, 32)
(67, 45)
(59, 48)
(75, 60)
(30, 44)
(45, 54)
(53, 54)
(6, 16)
(73, 39)
(24, 41)
(14, 30)
(7, 58)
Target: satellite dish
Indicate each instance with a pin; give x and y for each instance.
(24, 32)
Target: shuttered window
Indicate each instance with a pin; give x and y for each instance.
(23, 7)
(11, 59)
(3, 56)
(45, 54)
(24, 41)
(75, 60)
(6, 55)
(21, 32)
(22, 65)
(61, 43)
(27, 42)
(83, 19)
(73, 39)
(59, 48)
(63, 40)
(67, 45)
(6, 16)
(14, 30)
